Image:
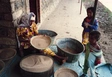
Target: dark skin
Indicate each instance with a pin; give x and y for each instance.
(94, 43)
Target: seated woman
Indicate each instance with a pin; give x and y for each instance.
(26, 30)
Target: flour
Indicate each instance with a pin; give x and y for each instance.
(36, 63)
(40, 41)
(65, 72)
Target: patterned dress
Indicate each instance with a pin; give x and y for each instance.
(24, 34)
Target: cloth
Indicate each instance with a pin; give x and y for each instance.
(25, 19)
(25, 33)
(85, 37)
(90, 58)
(107, 67)
(93, 26)
(85, 34)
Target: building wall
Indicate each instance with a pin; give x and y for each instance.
(10, 12)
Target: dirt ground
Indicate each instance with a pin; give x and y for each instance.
(104, 17)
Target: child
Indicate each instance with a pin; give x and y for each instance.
(93, 54)
(88, 25)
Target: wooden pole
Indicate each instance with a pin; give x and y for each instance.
(81, 7)
(94, 13)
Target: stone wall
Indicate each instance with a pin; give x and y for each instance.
(10, 12)
(47, 7)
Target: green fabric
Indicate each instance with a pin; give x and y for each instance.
(86, 65)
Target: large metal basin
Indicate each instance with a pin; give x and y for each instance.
(50, 33)
(69, 47)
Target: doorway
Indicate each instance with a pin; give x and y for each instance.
(35, 8)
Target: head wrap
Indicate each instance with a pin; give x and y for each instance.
(25, 19)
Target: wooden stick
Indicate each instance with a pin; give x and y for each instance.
(81, 7)
(95, 6)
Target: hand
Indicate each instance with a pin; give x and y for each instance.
(97, 61)
(86, 24)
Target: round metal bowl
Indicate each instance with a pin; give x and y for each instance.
(37, 66)
(7, 54)
(40, 41)
(65, 72)
(50, 33)
(2, 65)
(47, 32)
(69, 47)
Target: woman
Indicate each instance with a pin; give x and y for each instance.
(25, 31)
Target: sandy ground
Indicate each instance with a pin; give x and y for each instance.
(66, 20)
(104, 16)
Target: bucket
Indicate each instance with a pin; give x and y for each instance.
(37, 66)
(50, 33)
(7, 54)
(65, 72)
(69, 47)
(2, 65)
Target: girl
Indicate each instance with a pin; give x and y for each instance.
(88, 25)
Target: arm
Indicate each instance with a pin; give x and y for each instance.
(83, 25)
(34, 28)
(94, 26)
(97, 60)
(21, 35)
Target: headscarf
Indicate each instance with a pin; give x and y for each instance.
(25, 19)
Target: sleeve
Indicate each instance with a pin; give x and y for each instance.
(18, 31)
(34, 27)
(83, 22)
(95, 25)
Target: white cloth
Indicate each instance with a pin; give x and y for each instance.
(91, 61)
(25, 19)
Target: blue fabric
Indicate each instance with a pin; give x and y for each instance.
(9, 67)
(76, 66)
(104, 70)
(93, 26)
